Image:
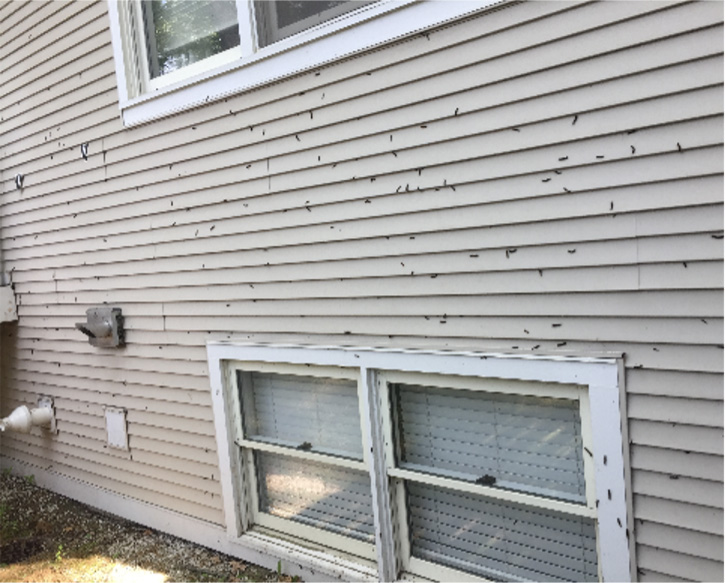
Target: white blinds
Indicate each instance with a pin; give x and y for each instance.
(310, 413)
(329, 497)
(499, 540)
(517, 442)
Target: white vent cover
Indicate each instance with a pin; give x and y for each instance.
(116, 431)
(8, 309)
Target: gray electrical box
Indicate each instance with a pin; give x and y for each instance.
(104, 327)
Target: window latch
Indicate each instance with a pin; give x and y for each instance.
(486, 480)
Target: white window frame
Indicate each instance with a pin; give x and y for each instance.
(597, 382)
(236, 71)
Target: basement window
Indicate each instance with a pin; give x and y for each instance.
(173, 55)
(491, 477)
(450, 467)
(302, 447)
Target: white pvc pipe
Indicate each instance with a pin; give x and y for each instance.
(23, 419)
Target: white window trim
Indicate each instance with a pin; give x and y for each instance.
(366, 28)
(601, 376)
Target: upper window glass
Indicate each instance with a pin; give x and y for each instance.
(181, 32)
(278, 20)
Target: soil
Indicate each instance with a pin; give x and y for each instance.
(48, 537)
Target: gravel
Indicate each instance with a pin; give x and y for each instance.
(47, 537)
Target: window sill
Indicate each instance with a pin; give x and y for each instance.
(326, 563)
(382, 23)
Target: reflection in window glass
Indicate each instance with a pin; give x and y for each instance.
(321, 495)
(182, 32)
(291, 12)
(278, 20)
(499, 540)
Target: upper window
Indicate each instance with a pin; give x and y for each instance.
(178, 39)
(172, 55)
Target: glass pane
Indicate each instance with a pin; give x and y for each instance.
(182, 32)
(278, 20)
(310, 413)
(499, 540)
(336, 499)
(530, 444)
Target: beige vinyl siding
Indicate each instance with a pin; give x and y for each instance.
(545, 178)
(667, 538)
(679, 565)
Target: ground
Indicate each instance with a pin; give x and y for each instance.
(47, 537)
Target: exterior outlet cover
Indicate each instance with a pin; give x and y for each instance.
(104, 327)
(8, 309)
(116, 429)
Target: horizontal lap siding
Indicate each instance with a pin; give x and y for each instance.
(46, 114)
(544, 178)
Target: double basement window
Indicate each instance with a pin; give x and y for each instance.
(461, 471)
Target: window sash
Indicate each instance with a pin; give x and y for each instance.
(269, 31)
(247, 448)
(576, 393)
(139, 65)
(297, 411)
(399, 476)
(194, 12)
(500, 539)
(315, 535)
(528, 444)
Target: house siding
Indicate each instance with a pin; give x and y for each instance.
(544, 178)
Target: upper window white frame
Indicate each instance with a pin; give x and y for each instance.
(601, 378)
(234, 72)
